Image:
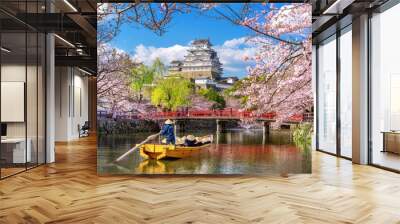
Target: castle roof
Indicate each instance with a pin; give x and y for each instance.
(176, 62)
(201, 41)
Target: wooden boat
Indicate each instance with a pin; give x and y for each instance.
(159, 151)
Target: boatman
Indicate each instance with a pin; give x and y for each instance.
(168, 131)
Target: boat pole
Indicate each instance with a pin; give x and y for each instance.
(218, 130)
(175, 129)
(151, 137)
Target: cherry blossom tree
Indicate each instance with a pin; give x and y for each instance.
(113, 79)
(281, 79)
(199, 102)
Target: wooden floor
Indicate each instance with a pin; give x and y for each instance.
(387, 159)
(5, 172)
(69, 191)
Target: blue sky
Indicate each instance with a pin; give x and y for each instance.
(229, 41)
(181, 30)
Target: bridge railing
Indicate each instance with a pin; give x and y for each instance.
(120, 115)
(225, 113)
(308, 117)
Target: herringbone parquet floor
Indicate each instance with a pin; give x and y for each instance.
(69, 191)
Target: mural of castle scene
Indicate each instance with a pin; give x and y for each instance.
(221, 96)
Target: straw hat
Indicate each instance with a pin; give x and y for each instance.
(190, 138)
(168, 122)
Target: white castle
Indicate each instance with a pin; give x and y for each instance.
(201, 62)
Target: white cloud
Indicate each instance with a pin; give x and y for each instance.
(230, 53)
(102, 7)
(107, 47)
(166, 54)
(234, 42)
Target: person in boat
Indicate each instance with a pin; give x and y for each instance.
(168, 132)
(180, 141)
(204, 140)
(190, 141)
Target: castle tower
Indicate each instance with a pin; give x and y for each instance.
(201, 62)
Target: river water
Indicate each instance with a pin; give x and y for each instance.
(233, 152)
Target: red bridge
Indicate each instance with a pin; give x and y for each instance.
(226, 114)
(218, 115)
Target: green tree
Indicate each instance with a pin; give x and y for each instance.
(302, 135)
(214, 96)
(143, 75)
(158, 68)
(172, 93)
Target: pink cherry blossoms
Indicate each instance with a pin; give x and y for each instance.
(280, 81)
(113, 92)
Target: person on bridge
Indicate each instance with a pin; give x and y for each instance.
(168, 131)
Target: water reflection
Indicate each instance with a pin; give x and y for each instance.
(235, 152)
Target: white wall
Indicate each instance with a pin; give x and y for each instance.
(71, 102)
(13, 100)
(16, 73)
(80, 112)
(12, 73)
(33, 126)
(62, 82)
